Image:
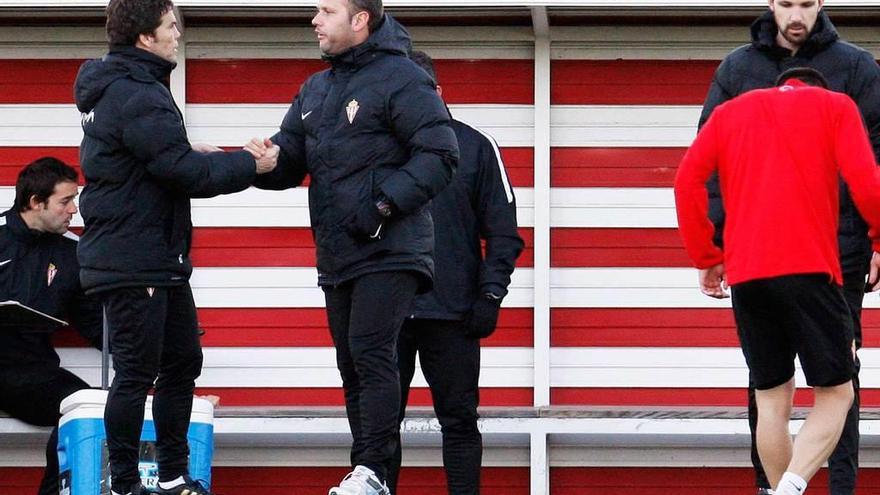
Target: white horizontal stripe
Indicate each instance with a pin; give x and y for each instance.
(303, 367)
(607, 367)
(612, 207)
(585, 207)
(256, 208)
(623, 125)
(636, 288)
(511, 125)
(297, 288)
(235, 124)
(669, 367)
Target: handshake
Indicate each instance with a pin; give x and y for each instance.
(264, 151)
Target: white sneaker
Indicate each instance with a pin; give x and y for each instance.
(361, 481)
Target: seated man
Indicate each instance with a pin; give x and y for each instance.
(38, 268)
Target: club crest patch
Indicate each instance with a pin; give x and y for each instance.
(351, 110)
(50, 274)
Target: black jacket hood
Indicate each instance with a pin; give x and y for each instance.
(122, 61)
(390, 38)
(764, 31)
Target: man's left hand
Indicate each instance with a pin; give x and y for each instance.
(483, 317)
(713, 282)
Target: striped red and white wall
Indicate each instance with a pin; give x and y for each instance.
(626, 326)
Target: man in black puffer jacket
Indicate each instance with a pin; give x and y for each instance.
(141, 172)
(375, 139)
(799, 34)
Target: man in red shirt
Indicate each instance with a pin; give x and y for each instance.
(778, 152)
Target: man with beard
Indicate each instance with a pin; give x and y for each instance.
(798, 33)
(375, 139)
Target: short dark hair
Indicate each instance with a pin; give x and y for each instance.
(128, 19)
(806, 75)
(39, 179)
(424, 61)
(372, 7)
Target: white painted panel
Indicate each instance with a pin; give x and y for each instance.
(612, 207)
(260, 367)
(297, 288)
(236, 124)
(511, 125)
(623, 125)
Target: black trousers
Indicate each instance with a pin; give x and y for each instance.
(844, 460)
(365, 315)
(450, 362)
(37, 401)
(154, 339)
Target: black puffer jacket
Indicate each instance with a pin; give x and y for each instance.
(848, 68)
(478, 204)
(371, 125)
(40, 270)
(141, 173)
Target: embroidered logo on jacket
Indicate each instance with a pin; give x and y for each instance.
(351, 110)
(88, 118)
(50, 274)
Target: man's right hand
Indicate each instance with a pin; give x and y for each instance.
(713, 282)
(265, 154)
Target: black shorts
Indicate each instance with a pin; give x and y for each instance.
(804, 315)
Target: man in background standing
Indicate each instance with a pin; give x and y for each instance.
(445, 325)
(795, 33)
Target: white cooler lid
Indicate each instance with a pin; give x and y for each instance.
(89, 403)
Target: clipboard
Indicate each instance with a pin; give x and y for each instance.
(16, 314)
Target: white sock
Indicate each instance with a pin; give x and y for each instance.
(167, 485)
(791, 484)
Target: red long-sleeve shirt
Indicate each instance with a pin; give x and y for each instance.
(778, 152)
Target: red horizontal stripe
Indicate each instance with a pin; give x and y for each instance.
(13, 159)
(42, 81)
(307, 327)
(652, 481)
(520, 166)
(627, 327)
(578, 247)
(276, 247)
(730, 397)
(614, 167)
(679, 480)
(278, 80)
(631, 82)
(314, 480)
(333, 396)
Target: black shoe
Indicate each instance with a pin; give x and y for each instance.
(189, 487)
(136, 489)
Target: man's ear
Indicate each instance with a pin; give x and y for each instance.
(360, 21)
(34, 203)
(146, 40)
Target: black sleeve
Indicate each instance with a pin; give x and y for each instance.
(86, 315)
(718, 94)
(421, 120)
(291, 169)
(866, 94)
(155, 135)
(496, 211)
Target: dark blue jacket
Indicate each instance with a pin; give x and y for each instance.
(140, 173)
(40, 270)
(478, 204)
(848, 68)
(370, 126)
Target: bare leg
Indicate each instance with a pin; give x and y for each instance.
(773, 436)
(821, 430)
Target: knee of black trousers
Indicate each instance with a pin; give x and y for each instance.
(463, 425)
(184, 368)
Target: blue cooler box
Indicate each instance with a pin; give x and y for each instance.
(82, 444)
